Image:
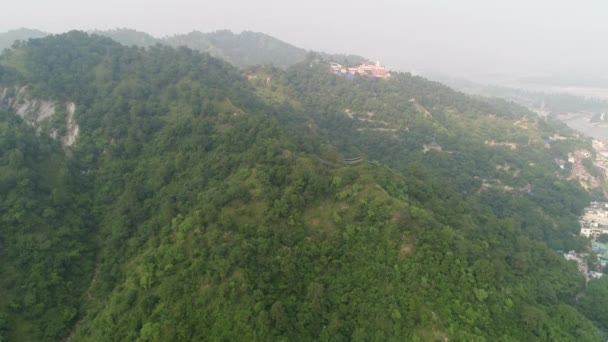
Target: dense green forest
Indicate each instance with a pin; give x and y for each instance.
(205, 202)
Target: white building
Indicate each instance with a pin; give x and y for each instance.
(593, 230)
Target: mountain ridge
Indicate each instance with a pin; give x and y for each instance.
(194, 205)
(243, 49)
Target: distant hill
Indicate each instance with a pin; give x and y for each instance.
(243, 49)
(251, 48)
(8, 38)
(593, 81)
(130, 37)
(550, 102)
(239, 49)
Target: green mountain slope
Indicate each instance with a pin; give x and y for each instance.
(205, 206)
(46, 241)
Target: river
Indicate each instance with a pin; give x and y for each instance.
(581, 123)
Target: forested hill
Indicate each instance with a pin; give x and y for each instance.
(130, 37)
(243, 49)
(239, 49)
(162, 194)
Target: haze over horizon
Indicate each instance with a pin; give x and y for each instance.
(472, 38)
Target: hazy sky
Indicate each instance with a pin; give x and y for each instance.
(461, 37)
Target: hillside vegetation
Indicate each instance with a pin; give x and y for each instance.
(201, 204)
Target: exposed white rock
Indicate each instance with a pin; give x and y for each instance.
(72, 128)
(34, 111)
(39, 113)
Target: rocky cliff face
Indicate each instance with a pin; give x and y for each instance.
(71, 133)
(46, 116)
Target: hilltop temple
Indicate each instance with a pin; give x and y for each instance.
(369, 70)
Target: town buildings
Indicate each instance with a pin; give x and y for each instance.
(582, 265)
(594, 221)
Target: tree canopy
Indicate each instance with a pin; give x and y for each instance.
(198, 204)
